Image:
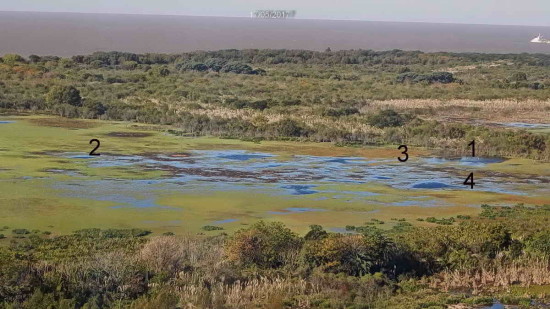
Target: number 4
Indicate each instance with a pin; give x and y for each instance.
(470, 181)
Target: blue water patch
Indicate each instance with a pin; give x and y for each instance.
(6, 121)
(295, 210)
(405, 203)
(82, 157)
(144, 204)
(321, 198)
(115, 161)
(525, 125)
(427, 203)
(476, 161)
(346, 160)
(303, 209)
(316, 177)
(172, 222)
(244, 156)
(496, 305)
(465, 161)
(72, 173)
(301, 189)
(129, 202)
(430, 185)
(341, 230)
(224, 221)
(339, 160)
(435, 160)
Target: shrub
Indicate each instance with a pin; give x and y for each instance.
(94, 108)
(354, 255)
(195, 66)
(539, 244)
(338, 112)
(264, 245)
(163, 71)
(238, 68)
(316, 232)
(518, 77)
(441, 77)
(287, 127)
(211, 228)
(215, 64)
(386, 118)
(13, 59)
(129, 65)
(435, 77)
(64, 95)
(260, 105)
(20, 231)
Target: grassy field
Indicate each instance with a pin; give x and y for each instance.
(35, 161)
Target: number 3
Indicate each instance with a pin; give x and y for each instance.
(404, 152)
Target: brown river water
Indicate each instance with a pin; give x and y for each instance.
(66, 34)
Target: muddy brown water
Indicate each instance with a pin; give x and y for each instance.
(67, 34)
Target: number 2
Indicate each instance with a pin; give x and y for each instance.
(92, 153)
(404, 152)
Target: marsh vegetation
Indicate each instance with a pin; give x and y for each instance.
(270, 179)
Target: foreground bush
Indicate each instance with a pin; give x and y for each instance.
(266, 265)
(264, 245)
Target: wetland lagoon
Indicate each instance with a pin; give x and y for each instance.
(148, 178)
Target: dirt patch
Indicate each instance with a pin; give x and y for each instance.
(129, 134)
(64, 123)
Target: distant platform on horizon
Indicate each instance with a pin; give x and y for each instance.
(67, 34)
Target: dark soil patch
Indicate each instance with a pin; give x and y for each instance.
(129, 134)
(221, 174)
(64, 123)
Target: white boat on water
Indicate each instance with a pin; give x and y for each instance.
(540, 39)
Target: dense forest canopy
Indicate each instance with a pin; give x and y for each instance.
(285, 56)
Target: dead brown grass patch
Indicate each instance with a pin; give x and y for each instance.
(64, 123)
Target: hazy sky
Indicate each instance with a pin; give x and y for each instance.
(508, 12)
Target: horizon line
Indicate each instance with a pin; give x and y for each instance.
(248, 17)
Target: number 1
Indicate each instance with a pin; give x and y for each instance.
(473, 144)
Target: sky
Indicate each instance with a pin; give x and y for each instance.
(501, 12)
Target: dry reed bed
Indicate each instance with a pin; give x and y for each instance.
(467, 111)
(526, 273)
(267, 291)
(528, 105)
(352, 124)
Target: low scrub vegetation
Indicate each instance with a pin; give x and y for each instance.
(345, 97)
(266, 265)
